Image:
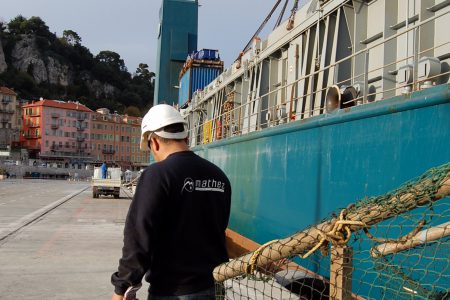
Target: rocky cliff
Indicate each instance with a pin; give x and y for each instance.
(3, 65)
(26, 57)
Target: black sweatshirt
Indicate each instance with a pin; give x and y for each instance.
(175, 227)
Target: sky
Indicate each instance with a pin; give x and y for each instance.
(130, 27)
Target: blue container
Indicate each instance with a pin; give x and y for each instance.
(206, 54)
(196, 78)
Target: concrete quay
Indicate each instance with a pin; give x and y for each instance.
(57, 242)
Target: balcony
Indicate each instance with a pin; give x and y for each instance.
(67, 154)
(108, 151)
(54, 126)
(80, 128)
(33, 147)
(55, 115)
(6, 111)
(80, 139)
(33, 125)
(5, 120)
(55, 147)
(6, 100)
(81, 117)
(32, 136)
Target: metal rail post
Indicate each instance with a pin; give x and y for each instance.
(416, 58)
(366, 77)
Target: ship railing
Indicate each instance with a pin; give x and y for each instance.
(244, 118)
(392, 246)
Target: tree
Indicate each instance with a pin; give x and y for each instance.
(143, 73)
(133, 111)
(37, 26)
(112, 59)
(71, 37)
(16, 25)
(130, 98)
(34, 25)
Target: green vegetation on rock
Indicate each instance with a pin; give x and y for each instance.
(41, 64)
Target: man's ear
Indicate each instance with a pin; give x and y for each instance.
(155, 144)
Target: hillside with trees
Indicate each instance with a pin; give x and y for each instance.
(37, 63)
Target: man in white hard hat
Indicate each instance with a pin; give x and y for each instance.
(175, 228)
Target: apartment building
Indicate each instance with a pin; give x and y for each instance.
(139, 159)
(103, 131)
(113, 139)
(9, 121)
(57, 131)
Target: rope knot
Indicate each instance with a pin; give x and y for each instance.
(339, 235)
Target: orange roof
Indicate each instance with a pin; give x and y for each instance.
(5, 90)
(132, 118)
(59, 104)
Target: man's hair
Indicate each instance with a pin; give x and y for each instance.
(172, 128)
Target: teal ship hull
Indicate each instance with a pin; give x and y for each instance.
(288, 178)
(294, 175)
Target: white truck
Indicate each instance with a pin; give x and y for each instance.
(109, 186)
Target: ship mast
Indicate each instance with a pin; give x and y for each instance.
(261, 26)
(280, 17)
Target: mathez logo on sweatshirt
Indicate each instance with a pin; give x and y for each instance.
(203, 185)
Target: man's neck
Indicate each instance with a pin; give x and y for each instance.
(173, 147)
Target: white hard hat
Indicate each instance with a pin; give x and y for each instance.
(158, 117)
